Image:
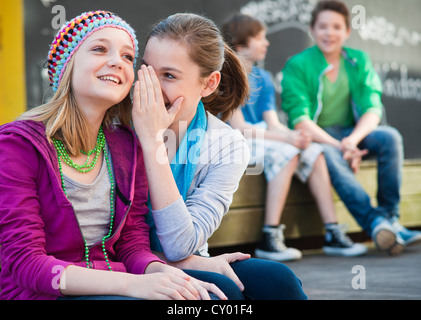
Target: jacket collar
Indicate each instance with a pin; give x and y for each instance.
(346, 54)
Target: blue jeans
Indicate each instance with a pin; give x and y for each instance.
(384, 143)
(262, 280)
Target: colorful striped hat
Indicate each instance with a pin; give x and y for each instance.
(74, 32)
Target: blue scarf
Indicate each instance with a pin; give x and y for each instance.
(183, 165)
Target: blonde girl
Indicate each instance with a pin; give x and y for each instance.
(73, 187)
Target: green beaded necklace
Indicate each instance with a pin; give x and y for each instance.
(62, 155)
(86, 167)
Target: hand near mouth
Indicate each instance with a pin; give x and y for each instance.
(151, 115)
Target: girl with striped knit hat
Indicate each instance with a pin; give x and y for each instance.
(73, 186)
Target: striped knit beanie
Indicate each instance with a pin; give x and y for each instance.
(74, 32)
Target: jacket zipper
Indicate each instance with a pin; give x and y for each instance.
(319, 93)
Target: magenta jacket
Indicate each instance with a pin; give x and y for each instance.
(39, 232)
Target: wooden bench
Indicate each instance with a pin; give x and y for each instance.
(243, 222)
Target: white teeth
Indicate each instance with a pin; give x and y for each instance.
(110, 78)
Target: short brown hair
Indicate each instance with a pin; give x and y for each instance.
(331, 5)
(239, 28)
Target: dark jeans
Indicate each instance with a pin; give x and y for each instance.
(262, 279)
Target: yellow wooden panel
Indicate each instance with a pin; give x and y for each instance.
(251, 192)
(239, 226)
(12, 60)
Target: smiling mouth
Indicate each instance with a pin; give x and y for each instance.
(110, 78)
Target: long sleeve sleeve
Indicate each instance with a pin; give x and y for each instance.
(184, 227)
(22, 229)
(133, 247)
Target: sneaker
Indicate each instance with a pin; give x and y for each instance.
(408, 236)
(337, 243)
(385, 236)
(272, 246)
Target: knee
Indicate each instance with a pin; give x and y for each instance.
(291, 166)
(389, 141)
(391, 136)
(268, 280)
(333, 157)
(291, 285)
(294, 161)
(320, 161)
(282, 283)
(225, 284)
(331, 152)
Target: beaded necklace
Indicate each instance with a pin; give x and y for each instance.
(62, 155)
(85, 167)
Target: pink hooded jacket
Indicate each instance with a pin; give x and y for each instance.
(39, 232)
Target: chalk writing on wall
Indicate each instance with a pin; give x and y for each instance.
(386, 33)
(396, 83)
(284, 14)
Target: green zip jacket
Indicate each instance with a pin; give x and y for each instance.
(302, 85)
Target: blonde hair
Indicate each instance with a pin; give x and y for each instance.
(64, 120)
(209, 51)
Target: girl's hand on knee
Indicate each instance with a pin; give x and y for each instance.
(219, 264)
(173, 283)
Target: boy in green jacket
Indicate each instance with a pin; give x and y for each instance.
(334, 93)
(282, 152)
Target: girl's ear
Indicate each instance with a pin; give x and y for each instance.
(211, 83)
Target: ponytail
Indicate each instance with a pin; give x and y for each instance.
(233, 89)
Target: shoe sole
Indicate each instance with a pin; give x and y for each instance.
(414, 241)
(261, 254)
(386, 241)
(337, 252)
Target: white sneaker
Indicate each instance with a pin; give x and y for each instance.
(337, 243)
(272, 246)
(408, 236)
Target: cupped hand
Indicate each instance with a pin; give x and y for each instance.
(150, 116)
(219, 264)
(352, 153)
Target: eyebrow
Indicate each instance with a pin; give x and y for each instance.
(126, 46)
(163, 68)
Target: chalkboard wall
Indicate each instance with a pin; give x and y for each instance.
(389, 30)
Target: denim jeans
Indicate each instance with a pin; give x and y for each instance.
(385, 144)
(262, 280)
